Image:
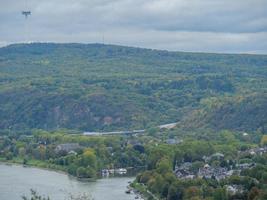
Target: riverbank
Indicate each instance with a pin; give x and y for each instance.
(42, 165)
(56, 168)
(141, 190)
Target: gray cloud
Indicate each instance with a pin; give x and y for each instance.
(187, 25)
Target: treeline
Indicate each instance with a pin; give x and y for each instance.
(241, 113)
(86, 160)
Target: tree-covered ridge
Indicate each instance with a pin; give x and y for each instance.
(247, 112)
(96, 87)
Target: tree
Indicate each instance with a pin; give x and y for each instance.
(85, 172)
(72, 169)
(264, 140)
(164, 166)
(157, 185)
(89, 158)
(22, 151)
(196, 165)
(153, 131)
(178, 157)
(253, 193)
(9, 156)
(175, 192)
(81, 172)
(139, 148)
(157, 153)
(144, 177)
(191, 192)
(220, 194)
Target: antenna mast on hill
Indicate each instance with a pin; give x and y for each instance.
(26, 13)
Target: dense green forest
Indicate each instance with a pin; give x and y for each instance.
(106, 87)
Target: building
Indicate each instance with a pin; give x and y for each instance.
(218, 173)
(183, 171)
(245, 166)
(68, 147)
(234, 189)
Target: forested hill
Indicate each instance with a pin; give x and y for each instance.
(106, 87)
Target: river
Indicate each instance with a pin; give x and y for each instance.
(16, 181)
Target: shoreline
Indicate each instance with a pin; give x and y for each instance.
(135, 191)
(25, 178)
(13, 162)
(141, 191)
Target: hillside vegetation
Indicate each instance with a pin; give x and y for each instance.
(105, 87)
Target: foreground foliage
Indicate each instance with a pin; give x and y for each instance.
(35, 196)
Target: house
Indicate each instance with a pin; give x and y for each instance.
(261, 150)
(234, 189)
(256, 151)
(183, 171)
(214, 172)
(72, 153)
(121, 171)
(105, 172)
(68, 147)
(245, 166)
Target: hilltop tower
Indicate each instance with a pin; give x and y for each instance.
(26, 13)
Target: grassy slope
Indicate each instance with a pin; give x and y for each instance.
(90, 87)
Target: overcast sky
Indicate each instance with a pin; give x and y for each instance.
(232, 26)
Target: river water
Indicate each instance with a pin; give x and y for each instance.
(16, 181)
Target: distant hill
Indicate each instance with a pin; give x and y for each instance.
(242, 113)
(106, 87)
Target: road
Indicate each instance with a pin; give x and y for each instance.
(129, 132)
